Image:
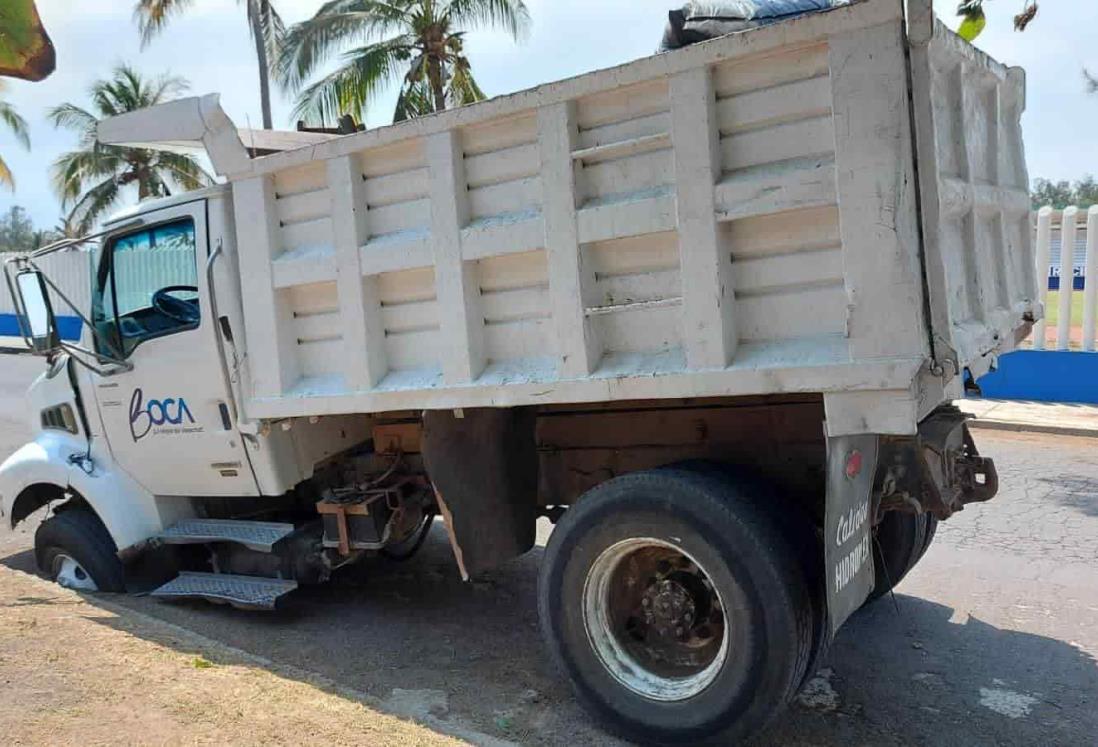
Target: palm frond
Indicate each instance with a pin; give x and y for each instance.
(15, 123)
(72, 117)
(271, 26)
(348, 89)
(165, 88)
(414, 100)
(510, 15)
(6, 177)
(153, 15)
(95, 202)
(72, 171)
(463, 88)
(185, 171)
(310, 44)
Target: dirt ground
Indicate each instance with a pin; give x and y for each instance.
(992, 640)
(77, 673)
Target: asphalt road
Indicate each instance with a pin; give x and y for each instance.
(993, 639)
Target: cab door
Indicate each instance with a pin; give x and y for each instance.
(168, 420)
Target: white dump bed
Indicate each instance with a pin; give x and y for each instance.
(738, 217)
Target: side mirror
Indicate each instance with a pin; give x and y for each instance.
(36, 314)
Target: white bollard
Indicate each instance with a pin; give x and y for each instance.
(1090, 292)
(1068, 231)
(1044, 240)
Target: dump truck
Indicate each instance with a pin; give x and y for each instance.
(706, 312)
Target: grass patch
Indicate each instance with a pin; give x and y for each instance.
(1052, 308)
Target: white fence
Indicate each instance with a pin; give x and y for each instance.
(1067, 249)
(71, 272)
(137, 273)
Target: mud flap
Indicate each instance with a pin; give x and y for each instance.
(484, 468)
(848, 548)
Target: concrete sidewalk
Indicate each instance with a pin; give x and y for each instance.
(1039, 417)
(12, 344)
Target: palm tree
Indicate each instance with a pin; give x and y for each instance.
(18, 127)
(420, 43)
(263, 20)
(68, 227)
(92, 178)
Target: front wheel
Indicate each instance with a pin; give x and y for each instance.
(676, 608)
(74, 549)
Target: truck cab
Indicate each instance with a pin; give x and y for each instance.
(139, 425)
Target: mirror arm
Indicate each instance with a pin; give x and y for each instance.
(117, 358)
(77, 353)
(25, 262)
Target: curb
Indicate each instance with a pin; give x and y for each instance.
(1023, 427)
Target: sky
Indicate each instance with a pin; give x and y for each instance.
(210, 47)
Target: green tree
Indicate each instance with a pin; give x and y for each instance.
(263, 21)
(1082, 194)
(1055, 194)
(16, 231)
(92, 178)
(18, 127)
(419, 43)
(1085, 192)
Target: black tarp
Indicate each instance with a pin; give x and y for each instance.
(707, 19)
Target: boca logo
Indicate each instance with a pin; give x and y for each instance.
(144, 416)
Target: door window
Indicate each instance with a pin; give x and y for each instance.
(147, 286)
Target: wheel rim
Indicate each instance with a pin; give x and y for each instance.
(70, 574)
(655, 620)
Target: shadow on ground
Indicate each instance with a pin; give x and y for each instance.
(914, 677)
(1079, 493)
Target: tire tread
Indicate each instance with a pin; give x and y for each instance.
(80, 532)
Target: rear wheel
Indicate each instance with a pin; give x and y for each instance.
(797, 526)
(900, 541)
(676, 608)
(74, 549)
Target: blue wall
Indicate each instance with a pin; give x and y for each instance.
(68, 326)
(1044, 376)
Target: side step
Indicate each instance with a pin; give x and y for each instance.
(243, 592)
(260, 536)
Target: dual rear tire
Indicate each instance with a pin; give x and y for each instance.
(900, 542)
(678, 607)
